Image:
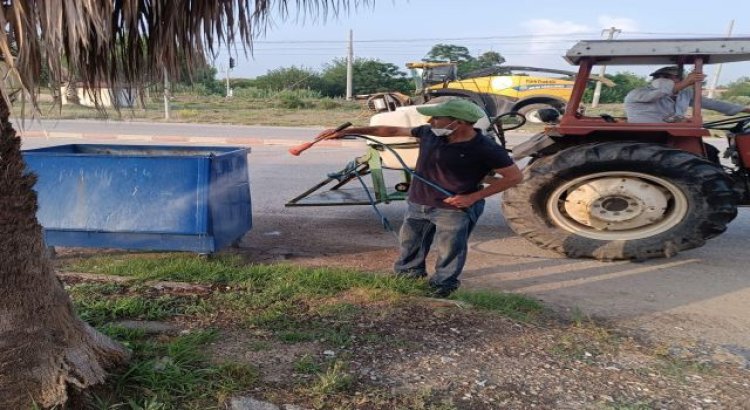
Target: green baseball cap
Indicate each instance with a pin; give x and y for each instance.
(457, 108)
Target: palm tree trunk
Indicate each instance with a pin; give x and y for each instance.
(44, 348)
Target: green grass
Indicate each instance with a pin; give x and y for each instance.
(307, 365)
(335, 379)
(678, 368)
(99, 308)
(177, 267)
(274, 297)
(246, 108)
(285, 304)
(513, 305)
(172, 374)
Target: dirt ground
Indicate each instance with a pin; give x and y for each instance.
(434, 354)
(697, 297)
(424, 353)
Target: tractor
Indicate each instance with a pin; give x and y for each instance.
(601, 187)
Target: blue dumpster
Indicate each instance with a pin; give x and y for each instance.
(142, 197)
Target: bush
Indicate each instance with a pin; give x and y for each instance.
(241, 83)
(291, 101)
(328, 104)
(253, 92)
(214, 88)
(739, 99)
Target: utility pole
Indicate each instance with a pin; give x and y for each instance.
(598, 89)
(349, 66)
(230, 67)
(166, 94)
(715, 81)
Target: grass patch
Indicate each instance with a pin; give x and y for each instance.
(679, 368)
(513, 305)
(287, 304)
(170, 266)
(246, 108)
(307, 365)
(276, 282)
(99, 311)
(172, 374)
(586, 343)
(335, 379)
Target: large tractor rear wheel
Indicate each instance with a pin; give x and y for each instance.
(620, 200)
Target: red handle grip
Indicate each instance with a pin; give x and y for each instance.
(298, 149)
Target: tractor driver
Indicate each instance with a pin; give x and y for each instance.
(668, 96)
(457, 157)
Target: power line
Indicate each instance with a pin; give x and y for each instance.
(410, 40)
(521, 38)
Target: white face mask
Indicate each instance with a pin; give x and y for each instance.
(664, 84)
(443, 132)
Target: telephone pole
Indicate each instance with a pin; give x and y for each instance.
(715, 81)
(598, 89)
(229, 68)
(349, 66)
(166, 94)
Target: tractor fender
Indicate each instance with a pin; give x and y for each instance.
(532, 145)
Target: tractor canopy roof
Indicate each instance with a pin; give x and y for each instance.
(660, 51)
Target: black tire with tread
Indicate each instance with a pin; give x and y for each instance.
(530, 111)
(712, 203)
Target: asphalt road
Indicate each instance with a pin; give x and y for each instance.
(702, 294)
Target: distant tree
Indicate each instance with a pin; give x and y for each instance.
(368, 76)
(490, 58)
(289, 78)
(206, 76)
(739, 88)
(200, 73)
(486, 60)
(624, 83)
(449, 52)
(466, 63)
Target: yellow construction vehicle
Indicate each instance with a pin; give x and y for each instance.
(498, 89)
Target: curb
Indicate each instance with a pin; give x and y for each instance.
(228, 140)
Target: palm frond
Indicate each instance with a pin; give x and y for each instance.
(106, 42)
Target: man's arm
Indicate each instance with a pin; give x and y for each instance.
(509, 177)
(691, 79)
(378, 131)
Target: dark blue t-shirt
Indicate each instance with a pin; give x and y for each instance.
(459, 167)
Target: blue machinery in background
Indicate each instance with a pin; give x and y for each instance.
(142, 197)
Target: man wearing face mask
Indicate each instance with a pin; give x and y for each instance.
(668, 96)
(457, 157)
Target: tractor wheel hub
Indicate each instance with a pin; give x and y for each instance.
(616, 203)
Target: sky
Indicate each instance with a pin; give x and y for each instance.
(532, 33)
